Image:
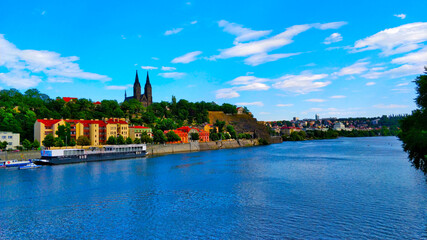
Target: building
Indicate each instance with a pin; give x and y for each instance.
(98, 131)
(136, 131)
(295, 119)
(147, 98)
(240, 110)
(185, 134)
(316, 117)
(11, 138)
(339, 126)
(289, 130)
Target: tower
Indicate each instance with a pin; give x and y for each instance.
(137, 88)
(148, 91)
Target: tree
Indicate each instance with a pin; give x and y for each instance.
(137, 141)
(112, 140)
(120, 140)
(172, 136)
(220, 125)
(83, 141)
(27, 144)
(414, 127)
(36, 144)
(3, 145)
(233, 133)
(49, 141)
(64, 133)
(58, 142)
(145, 138)
(158, 136)
(194, 136)
(129, 140)
(72, 143)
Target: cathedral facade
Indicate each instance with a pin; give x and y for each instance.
(147, 98)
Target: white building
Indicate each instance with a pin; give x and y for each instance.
(339, 126)
(12, 139)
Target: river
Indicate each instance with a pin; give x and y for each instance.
(346, 188)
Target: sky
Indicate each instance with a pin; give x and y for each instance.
(281, 59)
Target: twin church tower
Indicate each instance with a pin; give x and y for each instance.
(147, 98)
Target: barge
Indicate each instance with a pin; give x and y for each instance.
(105, 153)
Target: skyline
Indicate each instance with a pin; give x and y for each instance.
(280, 60)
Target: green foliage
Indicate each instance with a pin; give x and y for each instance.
(233, 133)
(414, 127)
(244, 136)
(64, 132)
(220, 125)
(213, 136)
(172, 136)
(120, 140)
(158, 136)
(36, 144)
(145, 138)
(137, 141)
(226, 136)
(27, 144)
(72, 143)
(49, 141)
(83, 141)
(3, 145)
(194, 136)
(129, 140)
(262, 141)
(166, 124)
(111, 140)
(58, 142)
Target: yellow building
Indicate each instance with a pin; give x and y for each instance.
(136, 131)
(97, 131)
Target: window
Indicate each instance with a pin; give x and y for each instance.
(10, 143)
(10, 137)
(3, 137)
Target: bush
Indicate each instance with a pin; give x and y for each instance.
(83, 141)
(194, 136)
(262, 141)
(129, 140)
(112, 140)
(172, 136)
(120, 140)
(159, 137)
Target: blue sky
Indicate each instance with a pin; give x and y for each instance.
(281, 59)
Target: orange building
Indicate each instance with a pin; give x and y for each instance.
(185, 134)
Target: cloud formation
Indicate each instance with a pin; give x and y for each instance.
(168, 68)
(243, 34)
(148, 67)
(187, 58)
(27, 68)
(173, 31)
(333, 38)
(357, 68)
(117, 87)
(390, 106)
(317, 100)
(242, 83)
(301, 84)
(174, 75)
(401, 16)
(284, 105)
(404, 38)
(259, 104)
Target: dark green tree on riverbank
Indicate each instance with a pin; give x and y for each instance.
(414, 127)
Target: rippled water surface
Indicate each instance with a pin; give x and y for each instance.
(347, 188)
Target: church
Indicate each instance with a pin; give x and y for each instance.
(147, 98)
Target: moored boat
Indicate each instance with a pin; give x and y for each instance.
(16, 163)
(29, 166)
(114, 152)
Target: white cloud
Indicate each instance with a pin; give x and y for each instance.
(404, 38)
(260, 104)
(338, 96)
(331, 25)
(402, 84)
(242, 83)
(333, 38)
(315, 100)
(257, 51)
(187, 58)
(243, 34)
(356, 68)
(284, 105)
(148, 67)
(27, 68)
(116, 87)
(43, 13)
(155, 58)
(174, 75)
(173, 31)
(261, 58)
(419, 57)
(401, 16)
(402, 71)
(370, 83)
(301, 84)
(59, 80)
(264, 113)
(194, 22)
(390, 106)
(168, 68)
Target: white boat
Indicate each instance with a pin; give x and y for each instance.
(29, 165)
(16, 163)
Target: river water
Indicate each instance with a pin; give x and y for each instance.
(346, 188)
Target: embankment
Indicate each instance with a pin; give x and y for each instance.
(198, 146)
(19, 155)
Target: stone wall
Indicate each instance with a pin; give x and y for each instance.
(20, 155)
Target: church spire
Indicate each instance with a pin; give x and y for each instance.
(148, 79)
(137, 88)
(125, 95)
(136, 78)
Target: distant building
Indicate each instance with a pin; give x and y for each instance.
(317, 117)
(185, 134)
(136, 131)
(11, 138)
(69, 99)
(295, 119)
(147, 98)
(240, 110)
(339, 126)
(289, 130)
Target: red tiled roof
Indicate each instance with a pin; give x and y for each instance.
(138, 127)
(97, 103)
(67, 99)
(48, 122)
